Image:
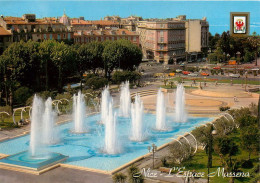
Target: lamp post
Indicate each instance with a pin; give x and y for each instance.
(210, 143)
(152, 148)
(228, 57)
(174, 58)
(238, 57)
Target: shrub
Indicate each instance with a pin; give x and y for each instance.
(95, 82)
(135, 175)
(119, 178)
(21, 95)
(44, 95)
(224, 108)
(121, 76)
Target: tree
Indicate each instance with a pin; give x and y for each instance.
(45, 51)
(95, 50)
(113, 54)
(250, 139)
(82, 61)
(226, 148)
(62, 57)
(132, 55)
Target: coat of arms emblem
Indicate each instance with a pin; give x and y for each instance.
(239, 24)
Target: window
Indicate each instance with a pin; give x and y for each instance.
(50, 36)
(58, 36)
(162, 39)
(161, 33)
(134, 38)
(107, 38)
(161, 47)
(44, 36)
(69, 36)
(161, 54)
(162, 25)
(113, 38)
(64, 36)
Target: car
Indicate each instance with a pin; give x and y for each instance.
(217, 67)
(193, 74)
(204, 74)
(178, 70)
(185, 72)
(234, 75)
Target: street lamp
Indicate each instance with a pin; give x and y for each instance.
(174, 58)
(152, 148)
(224, 54)
(210, 143)
(238, 56)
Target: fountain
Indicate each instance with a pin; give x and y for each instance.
(160, 111)
(105, 104)
(111, 141)
(79, 110)
(50, 134)
(180, 111)
(125, 100)
(138, 133)
(36, 127)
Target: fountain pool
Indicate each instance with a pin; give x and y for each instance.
(86, 149)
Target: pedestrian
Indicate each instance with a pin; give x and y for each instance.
(235, 98)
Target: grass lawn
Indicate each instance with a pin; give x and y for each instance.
(6, 121)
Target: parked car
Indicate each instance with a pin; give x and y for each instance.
(217, 67)
(234, 75)
(193, 74)
(185, 72)
(204, 74)
(178, 70)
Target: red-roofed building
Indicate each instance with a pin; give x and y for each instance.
(5, 39)
(28, 27)
(105, 34)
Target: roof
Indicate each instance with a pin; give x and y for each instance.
(76, 21)
(21, 21)
(4, 32)
(107, 32)
(104, 22)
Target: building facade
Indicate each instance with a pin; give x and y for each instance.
(105, 34)
(173, 39)
(28, 27)
(197, 38)
(163, 41)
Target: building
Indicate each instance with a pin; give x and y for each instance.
(173, 39)
(130, 22)
(197, 38)
(105, 34)
(5, 39)
(28, 27)
(161, 40)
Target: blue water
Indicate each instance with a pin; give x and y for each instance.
(24, 159)
(86, 150)
(217, 12)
